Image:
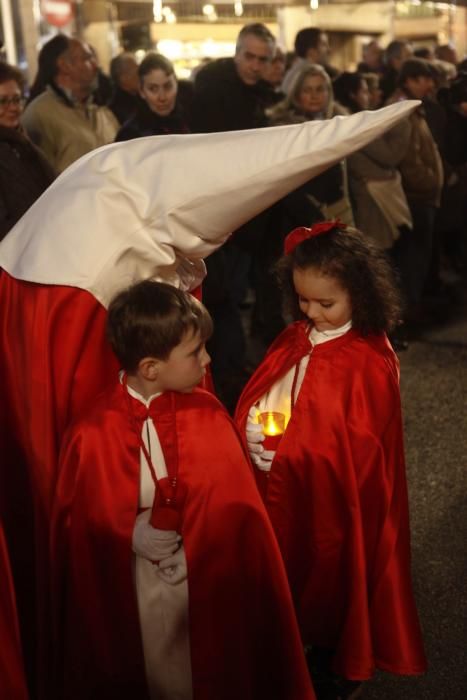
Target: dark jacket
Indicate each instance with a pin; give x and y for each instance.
(124, 105)
(421, 167)
(24, 175)
(222, 101)
(388, 83)
(326, 195)
(148, 123)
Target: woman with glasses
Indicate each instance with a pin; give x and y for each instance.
(24, 172)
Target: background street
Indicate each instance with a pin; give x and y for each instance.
(434, 395)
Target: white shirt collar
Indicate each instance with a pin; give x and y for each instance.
(135, 394)
(317, 337)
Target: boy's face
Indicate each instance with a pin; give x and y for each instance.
(185, 366)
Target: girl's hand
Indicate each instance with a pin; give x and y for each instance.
(254, 436)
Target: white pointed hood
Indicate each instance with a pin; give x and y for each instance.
(155, 206)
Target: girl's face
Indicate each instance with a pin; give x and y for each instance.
(314, 95)
(322, 299)
(159, 90)
(362, 96)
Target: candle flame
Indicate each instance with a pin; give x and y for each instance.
(273, 422)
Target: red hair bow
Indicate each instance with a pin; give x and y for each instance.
(298, 235)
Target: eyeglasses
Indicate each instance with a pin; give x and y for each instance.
(15, 100)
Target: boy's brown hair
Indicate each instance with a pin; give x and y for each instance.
(150, 319)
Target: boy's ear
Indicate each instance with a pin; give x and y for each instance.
(149, 367)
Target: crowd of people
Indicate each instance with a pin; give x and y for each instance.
(234, 579)
(406, 191)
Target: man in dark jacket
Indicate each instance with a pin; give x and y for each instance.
(422, 180)
(230, 94)
(124, 74)
(396, 53)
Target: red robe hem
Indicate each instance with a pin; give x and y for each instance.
(243, 635)
(337, 499)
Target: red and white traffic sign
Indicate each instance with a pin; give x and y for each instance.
(58, 13)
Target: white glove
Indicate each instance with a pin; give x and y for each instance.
(254, 437)
(173, 569)
(150, 543)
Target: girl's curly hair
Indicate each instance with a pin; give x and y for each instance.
(362, 270)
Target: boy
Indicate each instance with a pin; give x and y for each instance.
(212, 618)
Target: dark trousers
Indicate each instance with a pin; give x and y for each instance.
(413, 252)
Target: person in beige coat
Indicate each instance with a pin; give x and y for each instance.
(378, 200)
(63, 120)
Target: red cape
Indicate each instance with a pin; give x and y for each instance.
(243, 635)
(55, 360)
(337, 499)
(12, 681)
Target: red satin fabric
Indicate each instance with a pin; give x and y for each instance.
(243, 635)
(337, 499)
(55, 358)
(12, 681)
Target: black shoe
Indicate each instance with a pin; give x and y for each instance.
(398, 339)
(398, 344)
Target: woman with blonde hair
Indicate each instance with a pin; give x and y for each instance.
(324, 197)
(311, 98)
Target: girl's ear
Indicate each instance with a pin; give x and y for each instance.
(149, 368)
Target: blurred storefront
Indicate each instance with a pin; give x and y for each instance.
(188, 31)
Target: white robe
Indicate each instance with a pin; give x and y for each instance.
(163, 607)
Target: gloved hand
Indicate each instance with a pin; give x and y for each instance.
(173, 569)
(150, 543)
(254, 437)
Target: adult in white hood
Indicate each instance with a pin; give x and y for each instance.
(151, 208)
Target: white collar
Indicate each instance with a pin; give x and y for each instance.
(137, 395)
(318, 337)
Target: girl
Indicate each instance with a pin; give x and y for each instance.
(335, 488)
(160, 111)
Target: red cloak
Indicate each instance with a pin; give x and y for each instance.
(337, 499)
(12, 681)
(55, 360)
(243, 634)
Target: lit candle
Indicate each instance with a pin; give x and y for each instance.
(273, 428)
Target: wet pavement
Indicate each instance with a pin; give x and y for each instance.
(434, 398)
